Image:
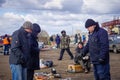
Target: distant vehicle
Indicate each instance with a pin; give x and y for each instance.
(1, 42)
(114, 43)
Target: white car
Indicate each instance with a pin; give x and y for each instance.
(114, 43)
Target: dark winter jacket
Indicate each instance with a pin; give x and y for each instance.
(51, 38)
(34, 53)
(78, 54)
(57, 39)
(98, 46)
(19, 48)
(79, 50)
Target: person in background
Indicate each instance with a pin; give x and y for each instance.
(57, 40)
(79, 37)
(65, 45)
(51, 41)
(76, 38)
(98, 47)
(79, 59)
(34, 53)
(84, 39)
(20, 50)
(6, 43)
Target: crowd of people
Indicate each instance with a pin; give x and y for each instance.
(24, 50)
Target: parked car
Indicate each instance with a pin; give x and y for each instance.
(114, 43)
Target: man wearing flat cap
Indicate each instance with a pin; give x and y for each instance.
(20, 51)
(98, 47)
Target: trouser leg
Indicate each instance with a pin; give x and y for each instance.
(102, 72)
(30, 74)
(61, 54)
(16, 71)
(24, 73)
(6, 49)
(69, 52)
(95, 72)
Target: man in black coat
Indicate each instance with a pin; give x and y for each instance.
(33, 63)
(20, 49)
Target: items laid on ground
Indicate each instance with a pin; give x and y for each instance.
(47, 76)
(72, 68)
(66, 78)
(45, 64)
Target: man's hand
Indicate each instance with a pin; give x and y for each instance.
(101, 61)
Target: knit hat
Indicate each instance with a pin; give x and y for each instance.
(36, 28)
(27, 25)
(63, 31)
(89, 23)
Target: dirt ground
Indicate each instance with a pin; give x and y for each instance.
(61, 66)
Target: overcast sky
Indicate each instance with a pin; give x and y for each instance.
(55, 15)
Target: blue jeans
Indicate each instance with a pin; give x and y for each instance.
(102, 71)
(6, 49)
(18, 72)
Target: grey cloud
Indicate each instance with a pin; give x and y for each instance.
(115, 9)
(2, 2)
(68, 6)
(73, 6)
(101, 7)
(44, 1)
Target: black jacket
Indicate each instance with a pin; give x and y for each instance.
(34, 49)
(79, 50)
(20, 49)
(34, 54)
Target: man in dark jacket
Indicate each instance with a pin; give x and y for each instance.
(98, 47)
(34, 54)
(20, 51)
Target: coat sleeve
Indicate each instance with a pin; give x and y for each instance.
(68, 39)
(16, 45)
(104, 44)
(85, 49)
(35, 48)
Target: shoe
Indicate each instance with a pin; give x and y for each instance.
(59, 59)
(72, 58)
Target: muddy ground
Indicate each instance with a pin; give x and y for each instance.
(61, 66)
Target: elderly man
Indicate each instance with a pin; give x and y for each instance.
(98, 47)
(20, 51)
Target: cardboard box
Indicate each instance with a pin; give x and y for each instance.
(75, 68)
